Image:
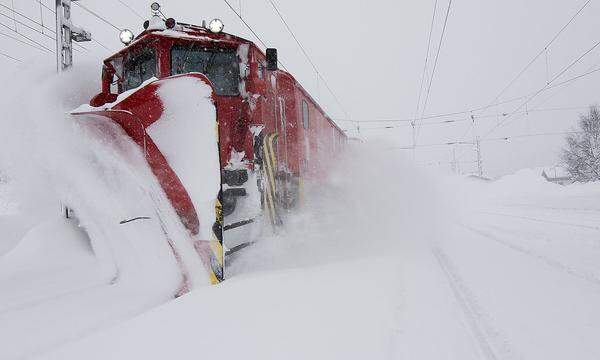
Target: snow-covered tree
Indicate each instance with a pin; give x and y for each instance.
(582, 154)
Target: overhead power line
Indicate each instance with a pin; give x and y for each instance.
(54, 32)
(46, 6)
(541, 52)
(247, 25)
(426, 59)
(31, 27)
(42, 46)
(337, 100)
(252, 31)
(545, 87)
(96, 15)
(474, 117)
(10, 57)
(19, 40)
(504, 138)
(474, 110)
(468, 111)
(435, 63)
(23, 16)
(131, 9)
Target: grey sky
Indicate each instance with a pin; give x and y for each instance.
(372, 52)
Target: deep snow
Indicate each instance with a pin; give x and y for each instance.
(508, 276)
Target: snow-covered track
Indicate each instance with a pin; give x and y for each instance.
(533, 254)
(542, 220)
(466, 303)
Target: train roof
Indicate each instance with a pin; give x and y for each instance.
(156, 28)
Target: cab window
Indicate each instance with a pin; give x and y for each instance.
(220, 66)
(139, 67)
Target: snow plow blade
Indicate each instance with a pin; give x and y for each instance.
(173, 121)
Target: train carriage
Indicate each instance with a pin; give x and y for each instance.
(270, 137)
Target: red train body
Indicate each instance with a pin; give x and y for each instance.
(272, 135)
(273, 99)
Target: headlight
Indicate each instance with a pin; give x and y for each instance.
(126, 36)
(216, 26)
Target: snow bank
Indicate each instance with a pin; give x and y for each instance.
(525, 181)
(328, 312)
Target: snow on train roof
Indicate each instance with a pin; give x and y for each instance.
(192, 32)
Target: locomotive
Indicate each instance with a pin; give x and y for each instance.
(231, 138)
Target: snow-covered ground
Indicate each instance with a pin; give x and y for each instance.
(383, 261)
(491, 271)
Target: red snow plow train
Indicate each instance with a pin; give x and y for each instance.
(251, 147)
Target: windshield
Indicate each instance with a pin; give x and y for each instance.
(220, 66)
(138, 68)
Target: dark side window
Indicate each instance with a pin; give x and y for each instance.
(305, 114)
(220, 66)
(139, 67)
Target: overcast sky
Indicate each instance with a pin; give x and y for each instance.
(372, 54)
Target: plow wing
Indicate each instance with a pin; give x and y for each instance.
(173, 121)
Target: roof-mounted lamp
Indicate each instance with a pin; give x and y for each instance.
(126, 36)
(216, 26)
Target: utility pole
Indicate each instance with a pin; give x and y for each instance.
(66, 33)
(479, 159)
(414, 140)
(477, 143)
(454, 163)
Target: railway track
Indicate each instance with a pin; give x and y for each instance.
(467, 304)
(597, 228)
(545, 259)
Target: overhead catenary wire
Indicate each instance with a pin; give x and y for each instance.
(12, 3)
(42, 46)
(32, 28)
(250, 28)
(475, 117)
(562, 83)
(19, 40)
(545, 87)
(308, 58)
(541, 52)
(42, 17)
(27, 17)
(131, 9)
(435, 5)
(432, 116)
(535, 58)
(96, 15)
(46, 6)
(503, 138)
(10, 57)
(54, 32)
(468, 111)
(435, 63)
(565, 82)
